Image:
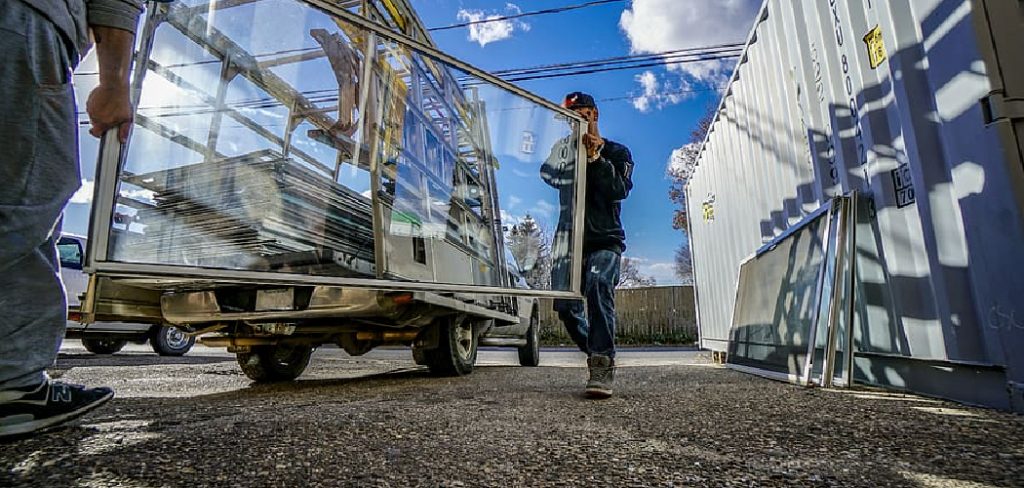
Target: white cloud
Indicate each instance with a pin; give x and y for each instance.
(543, 208)
(84, 194)
(488, 32)
(514, 201)
(663, 272)
(682, 158)
(649, 84)
(140, 194)
(662, 25)
(657, 94)
(509, 219)
(654, 26)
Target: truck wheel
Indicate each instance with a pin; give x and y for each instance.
(168, 340)
(103, 346)
(529, 355)
(283, 362)
(456, 351)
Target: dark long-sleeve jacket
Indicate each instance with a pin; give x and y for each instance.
(609, 181)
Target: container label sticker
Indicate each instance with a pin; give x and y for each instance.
(903, 186)
(708, 208)
(876, 46)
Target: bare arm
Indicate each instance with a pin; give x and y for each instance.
(109, 104)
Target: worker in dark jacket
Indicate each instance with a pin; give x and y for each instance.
(609, 171)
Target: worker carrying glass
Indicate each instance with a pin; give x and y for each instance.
(609, 181)
(41, 42)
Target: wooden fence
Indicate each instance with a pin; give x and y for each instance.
(648, 315)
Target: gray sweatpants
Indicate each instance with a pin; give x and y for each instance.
(38, 174)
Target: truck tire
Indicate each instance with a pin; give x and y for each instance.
(103, 346)
(529, 355)
(283, 362)
(168, 340)
(456, 351)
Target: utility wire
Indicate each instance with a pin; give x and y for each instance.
(620, 59)
(575, 68)
(546, 11)
(711, 57)
(688, 58)
(316, 96)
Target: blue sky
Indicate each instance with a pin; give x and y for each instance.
(652, 126)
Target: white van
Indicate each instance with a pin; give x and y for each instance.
(109, 337)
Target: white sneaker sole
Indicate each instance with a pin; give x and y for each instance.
(40, 425)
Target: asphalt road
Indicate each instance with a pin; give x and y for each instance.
(378, 420)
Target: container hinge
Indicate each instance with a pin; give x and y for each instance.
(996, 107)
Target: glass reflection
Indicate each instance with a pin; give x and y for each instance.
(271, 136)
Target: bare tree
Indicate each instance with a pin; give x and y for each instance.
(681, 167)
(630, 276)
(530, 248)
(683, 265)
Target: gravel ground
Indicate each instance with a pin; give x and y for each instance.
(196, 421)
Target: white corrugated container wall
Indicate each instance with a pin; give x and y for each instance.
(807, 117)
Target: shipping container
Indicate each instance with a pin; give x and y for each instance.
(915, 105)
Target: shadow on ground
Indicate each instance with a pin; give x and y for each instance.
(510, 426)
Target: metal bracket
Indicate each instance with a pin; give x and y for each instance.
(1016, 391)
(88, 304)
(996, 107)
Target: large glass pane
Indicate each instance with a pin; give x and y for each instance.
(274, 137)
(777, 302)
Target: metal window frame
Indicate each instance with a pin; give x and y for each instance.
(112, 156)
(807, 378)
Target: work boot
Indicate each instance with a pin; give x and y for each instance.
(46, 405)
(602, 375)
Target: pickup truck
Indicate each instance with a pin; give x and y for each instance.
(273, 330)
(109, 337)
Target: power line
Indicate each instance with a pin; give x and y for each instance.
(574, 68)
(700, 58)
(555, 10)
(667, 57)
(619, 59)
(542, 73)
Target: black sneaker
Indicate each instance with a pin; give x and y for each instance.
(31, 409)
(602, 376)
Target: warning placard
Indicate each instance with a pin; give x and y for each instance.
(876, 46)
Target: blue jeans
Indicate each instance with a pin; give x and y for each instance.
(594, 331)
(38, 174)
